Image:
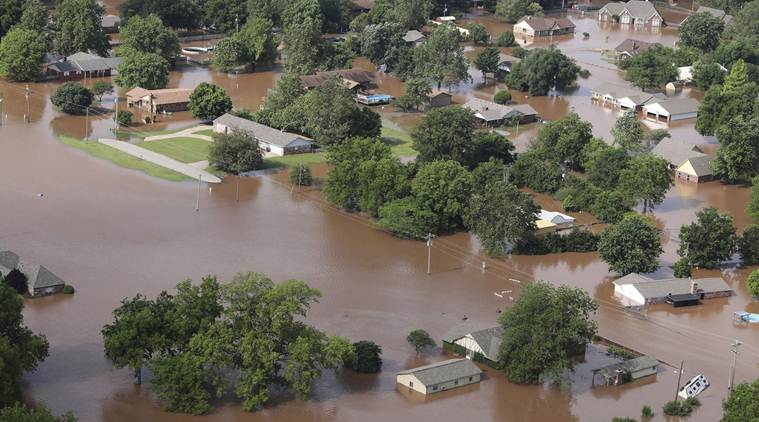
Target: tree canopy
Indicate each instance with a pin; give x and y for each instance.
(367, 358)
(148, 35)
(653, 68)
(542, 70)
(627, 131)
(420, 340)
(511, 10)
(174, 13)
(487, 60)
(631, 246)
(21, 51)
(709, 240)
(738, 155)
(647, 178)
(544, 330)
(562, 140)
(444, 188)
(302, 24)
(444, 134)
(146, 70)
(742, 404)
(441, 58)
(235, 153)
(21, 413)
(737, 97)
(72, 98)
(77, 27)
(701, 31)
(209, 101)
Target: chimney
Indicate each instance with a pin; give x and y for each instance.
(635, 45)
(693, 287)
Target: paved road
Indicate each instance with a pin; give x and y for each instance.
(161, 160)
(186, 133)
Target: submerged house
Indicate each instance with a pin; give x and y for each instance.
(631, 48)
(635, 12)
(353, 79)
(676, 152)
(440, 376)
(493, 114)
(696, 169)
(562, 221)
(623, 97)
(81, 65)
(41, 280)
(476, 341)
(672, 109)
(8, 262)
(629, 370)
(159, 100)
(529, 27)
(638, 290)
(437, 98)
(270, 140)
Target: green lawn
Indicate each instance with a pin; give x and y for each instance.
(294, 160)
(122, 159)
(400, 142)
(186, 150)
(207, 132)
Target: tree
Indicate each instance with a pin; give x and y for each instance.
(563, 140)
(610, 206)
(477, 33)
(753, 205)
(174, 13)
(486, 146)
(535, 9)
(530, 170)
(542, 70)
(367, 359)
(235, 152)
(124, 118)
(651, 69)
(10, 13)
(745, 23)
(648, 178)
(631, 246)
(209, 101)
(748, 245)
(416, 93)
(707, 73)
(443, 187)
(35, 18)
(21, 51)
(544, 331)
(411, 14)
(709, 240)
(420, 340)
(627, 131)
(77, 24)
(300, 175)
(511, 10)
(148, 35)
(379, 182)
(224, 15)
(701, 31)
(605, 167)
(146, 70)
(20, 349)
(407, 219)
(738, 155)
(443, 134)
(500, 214)
(722, 103)
(21, 413)
(379, 39)
(267, 9)
(16, 280)
(502, 97)
(752, 282)
(72, 98)
(228, 54)
(180, 381)
(487, 60)
(441, 58)
(258, 42)
(100, 88)
(302, 22)
(505, 39)
(742, 404)
(343, 182)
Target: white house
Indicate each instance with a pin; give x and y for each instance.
(538, 26)
(638, 290)
(635, 12)
(562, 221)
(475, 341)
(623, 97)
(270, 140)
(440, 376)
(671, 110)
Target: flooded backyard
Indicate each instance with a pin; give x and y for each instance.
(113, 232)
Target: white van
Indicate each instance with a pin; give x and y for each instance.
(694, 387)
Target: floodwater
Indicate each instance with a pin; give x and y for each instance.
(113, 232)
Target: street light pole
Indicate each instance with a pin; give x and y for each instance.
(679, 375)
(429, 252)
(197, 197)
(734, 350)
(27, 118)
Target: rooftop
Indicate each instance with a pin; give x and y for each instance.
(162, 96)
(632, 365)
(359, 76)
(676, 151)
(542, 23)
(679, 105)
(8, 261)
(490, 111)
(447, 370)
(261, 132)
(551, 215)
(413, 36)
(702, 165)
(717, 13)
(636, 9)
(634, 47)
(38, 276)
(85, 62)
(650, 288)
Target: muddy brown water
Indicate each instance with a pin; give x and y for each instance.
(113, 232)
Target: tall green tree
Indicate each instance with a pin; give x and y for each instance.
(748, 245)
(343, 183)
(148, 35)
(651, 69)
(753, 205)
(21, 413)
(647, 178)
(738, 155)
(444, 134)
(185, 14)
(563, 140)
(542, 70)
(707, 73)
(146, 70)
(407, 219)
(441, 58)
(487, 60)
(736, 97)
(477, 33)
(302, 24)
(627, 131)
(701, 31)
(21, 51)
(20, 349)
(500, 214)
(745, 24)
(209, 101)
(544, 331)
(274, 110)
(709, 240)
(444, 187)
(235, 152)
(538, 174)
(77, 27)
(35, 18)
(379, 182)
(511, 10)
(10, 13)
(367, 359)
(488, 146)
(742, 404)
(378, 40)
(260, 44)
(228, 54)
(606, 166)
(752, 283)
(416, 93)
(72, 98)
(224, 15)
(631, 246)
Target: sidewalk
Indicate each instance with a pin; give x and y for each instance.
(185, 133)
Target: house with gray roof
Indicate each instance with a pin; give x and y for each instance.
(676, 152)
(672, 109)
(506, 62)
(636, 12)
(82, 65)
(696, 169)
(440, 376)
(625, 97)
(493, 114)
(8, 262)
(638, 290)
(41, 280)
(629, 370)
(110, 23)
(414, 38)
(631, 48)
(271, 141)
(476, 341)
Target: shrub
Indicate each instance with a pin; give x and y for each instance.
(502, 97)
(519, 52)
(610, 206)
(367, 357)
(300, 175)
(752, 282)
(584, 73)
(619, 352)
(124, 117)
(647, 412)
(682, 268)
(72, 98)
(693, 401)
(577, 194)
(235, 152)
(678, 408)
(16, 280)
(68, 289)
(585, 35)
(505, 39)
(579, 240)
(748, 245)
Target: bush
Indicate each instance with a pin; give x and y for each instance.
(619, 352)
(502, 97)
(72, 98)
(577, 194)
(235, 152)
(610, 206)
(518, 52)
(124, 117)
(752, 282)
(535, 173)
(367, 357)
(505, 39)
(748, 245)
(578, 240)
(68, 289)
(300, 175)
(682, 268)
(619, 419)
(693, 401)
(16, 280)
(646, 412)
(678, 408)
(585, 35)
(584, 73)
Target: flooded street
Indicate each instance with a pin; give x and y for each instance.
(113, 232)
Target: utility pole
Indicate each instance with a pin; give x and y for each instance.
(1, 109)
(237, 188)
(197, 197)
(27, 118)
(679, 375)
(86, 123)
(116, 115)
(237, 23)
(734, 350)
(429, 252)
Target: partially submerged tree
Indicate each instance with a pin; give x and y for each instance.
(367, 357)
(631, 246)
(420, 340)
(148, 35)
(72, 98)
(709, 240)
(511, 10)
(235, 152)
(146, 70)
(487, 60)
(302, 24)
(444, 134)
(542, 70)
(100, 88)
(742, 404)
(627, 131)
(651, 69)
(209, 101)
(441, 58)
(647, 178)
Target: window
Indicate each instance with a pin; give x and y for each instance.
(434, 387)
(456, 382)
(411, 384)
(470, 378)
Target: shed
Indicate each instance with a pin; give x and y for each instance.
(438, 98)
(476, 341)
(562, 221)
(638, 290)
(270, 140)
(8, 262)
(629, 370)
(696, 169)
(414, 38)
(671, 110)
(41, 280)
(440, 376)
(676, 152)
(110, 23)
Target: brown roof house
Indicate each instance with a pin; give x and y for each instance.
(631, 48)
(353, 79)
(493, 114)
(529, 27)
(437, 98)
(637, 12)
(440, 376)
(159, 100)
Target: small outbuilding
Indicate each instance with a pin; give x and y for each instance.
(475, 341)
(414, 38)
(696, 169)
(438, 98)
(672, 110)
(110, 24)
(638, 290)
(629, 370)
(562, 221)
(270, 140)
(440, 376)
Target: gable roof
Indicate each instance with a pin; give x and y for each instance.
(413, 36)
(702, 165)
(488, 337)
(634, 47)
(555, 217)
(542, 23)
(490, 111)
(678, 105)
(506, 58)
(38, 276)
(8, 261)
(162, 96)
(86, 62)
(618, 91)
(436, 93)
(447, 370)
(360, 76)
(261, 132)
(635, 8)
(628, 366)
(110, 21)
(649, 288)
(675, 151)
